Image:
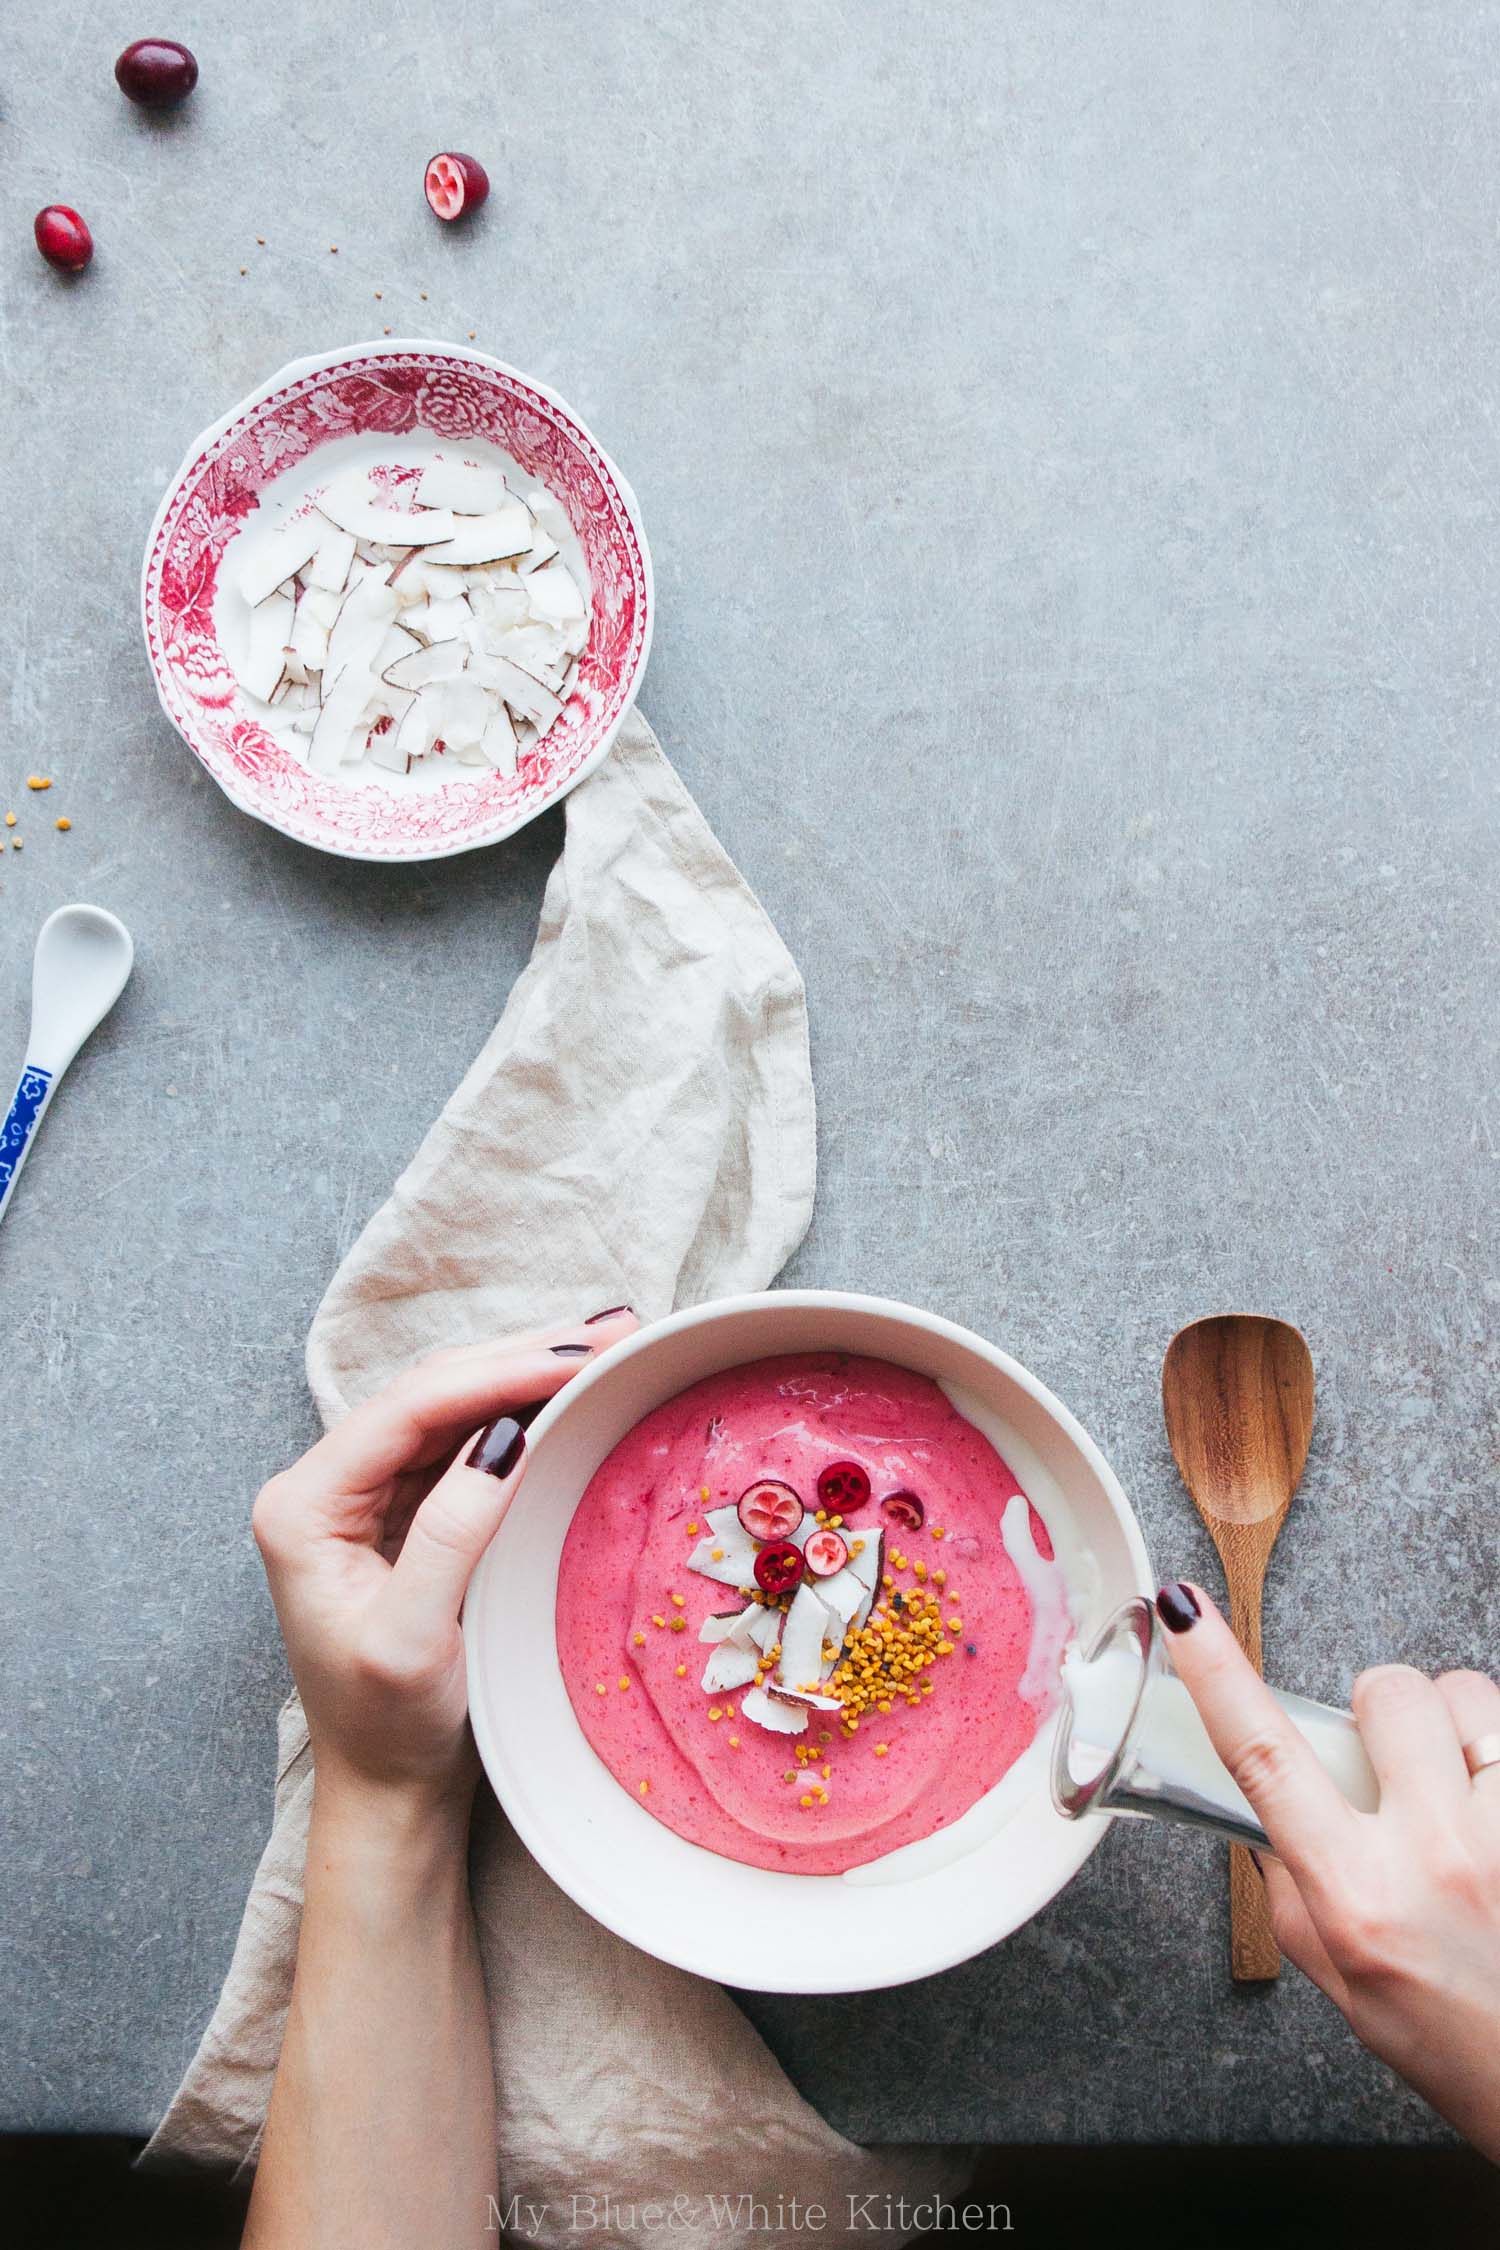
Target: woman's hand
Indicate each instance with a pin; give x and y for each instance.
(369, 1542)
(1396, 1913)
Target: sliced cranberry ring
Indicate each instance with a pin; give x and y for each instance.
(455, 183)
(842, 1487)
(824, 1552)
(904, 1510)
(769, 1509)
(778, 1567)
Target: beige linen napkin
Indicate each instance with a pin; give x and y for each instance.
(638, 1128)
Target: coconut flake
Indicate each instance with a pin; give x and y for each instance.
(806, 1627)
(445, 660)
(466, 714)
(498, 742)
(730, 1666)
(808, 1698)
(269, 554)
(447, 620)
(734, 1563)
(342, 712)
(494, 537)
(724, 1625)
(332, 563)
(527, 696)
(553, 597)
(422, 722)
(347, 499)
(264, 660)
(779, 1717)
(360, 630)
(542, 550)
(463, 486)
(842, 1593)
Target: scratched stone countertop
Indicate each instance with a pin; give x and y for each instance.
(1069, 438)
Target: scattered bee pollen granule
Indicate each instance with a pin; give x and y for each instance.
(638, 1639)
(643, 1786)
(65, 824)
(10, 820)
(38, 781)
(624, 1683)
(682, 1671)
(678, 1600)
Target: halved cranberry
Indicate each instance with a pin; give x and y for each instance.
(904, 1511)
(62, 238)
(156, 72)
(824, 1552)
(778, 1567)
(842, 1487)
(455, 183)
(769, 1509)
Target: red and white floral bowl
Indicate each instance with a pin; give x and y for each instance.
(389, 389)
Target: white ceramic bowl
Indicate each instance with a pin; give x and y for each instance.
(381, 403)
(915, 1912)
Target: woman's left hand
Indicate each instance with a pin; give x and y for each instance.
(369, 1542)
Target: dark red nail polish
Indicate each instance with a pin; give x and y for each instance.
(499, 1448)
(611, 1312)
(572, 1351)
(1177, 1607)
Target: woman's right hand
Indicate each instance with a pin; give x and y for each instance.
(1396, 1913)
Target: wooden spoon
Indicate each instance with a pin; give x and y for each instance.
(1237, 1393)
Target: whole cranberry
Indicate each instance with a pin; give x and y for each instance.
(62, 238)
(156, 72)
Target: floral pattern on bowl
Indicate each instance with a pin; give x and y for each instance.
(392, 389)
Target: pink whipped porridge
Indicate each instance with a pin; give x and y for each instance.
(806, 1614)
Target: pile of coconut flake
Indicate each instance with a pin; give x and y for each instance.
(810, 1633)
(452, 627)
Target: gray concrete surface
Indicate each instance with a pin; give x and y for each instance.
(1068, 438)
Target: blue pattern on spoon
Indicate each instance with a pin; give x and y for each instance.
(25, 1115)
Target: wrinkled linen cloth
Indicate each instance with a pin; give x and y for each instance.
(638, 1129)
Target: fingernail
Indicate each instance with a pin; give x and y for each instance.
(572, 1351)
(1177, 1607)
(499, 1448)
(612, 1312)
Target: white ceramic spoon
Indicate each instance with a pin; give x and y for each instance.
(83, 958)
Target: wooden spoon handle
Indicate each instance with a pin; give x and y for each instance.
(1254, 1955)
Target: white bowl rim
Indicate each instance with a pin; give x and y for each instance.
(383, 347)
(595, 1897)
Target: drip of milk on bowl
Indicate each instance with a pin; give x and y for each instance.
(1055, 1592)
